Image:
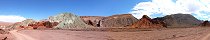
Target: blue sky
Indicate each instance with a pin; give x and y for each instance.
(40, 9)
(11, 10)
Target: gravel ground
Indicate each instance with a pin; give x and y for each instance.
(160, 34)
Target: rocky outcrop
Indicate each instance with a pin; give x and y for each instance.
(68, 21)
(180, 20)
(158, 21)
(122, 20)
(43, 25)
(92, 20)
(22, 25)
(205, 24)
(31, 24)
(146, 22)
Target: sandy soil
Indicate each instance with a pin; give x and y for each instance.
(199, 33)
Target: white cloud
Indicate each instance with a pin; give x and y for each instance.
(167, 7)
(11, 18)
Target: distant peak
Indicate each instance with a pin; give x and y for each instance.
(145, 16)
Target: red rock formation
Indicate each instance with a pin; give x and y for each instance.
(205, 24)
(43, 24)
(36, 25)
(146, 22)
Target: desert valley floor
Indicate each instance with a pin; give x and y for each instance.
(195, 33)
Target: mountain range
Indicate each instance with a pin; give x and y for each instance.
(71, 21)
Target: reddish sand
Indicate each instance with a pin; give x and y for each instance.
(200, 33)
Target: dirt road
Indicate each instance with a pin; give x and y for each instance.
(207, 37)
(164, 34)
(19, 36)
